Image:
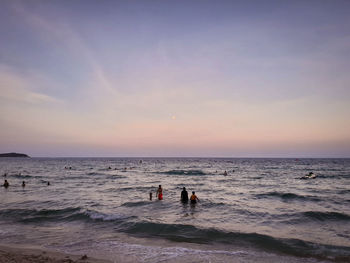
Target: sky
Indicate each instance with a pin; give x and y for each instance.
(161, 78)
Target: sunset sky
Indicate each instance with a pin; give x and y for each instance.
(175, 78)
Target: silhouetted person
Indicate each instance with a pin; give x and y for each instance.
(48, 183)
(184, 195)
(159, 193)
(6, 184)
(23, 184)
(150, 196)
(225, 173)
(194, 198)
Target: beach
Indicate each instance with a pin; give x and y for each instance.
(27, 254)
(36, 255)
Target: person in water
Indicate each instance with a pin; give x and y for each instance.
(6, 184)
(194, 198)
(159, 193)
(23, 184)
(184, 195)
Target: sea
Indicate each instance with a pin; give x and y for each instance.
(263, 210)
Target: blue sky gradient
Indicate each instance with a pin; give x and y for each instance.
(175, 78)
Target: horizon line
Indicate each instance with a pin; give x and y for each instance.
(187, 157)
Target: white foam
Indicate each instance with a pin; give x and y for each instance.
(143, 253)
(104, 217)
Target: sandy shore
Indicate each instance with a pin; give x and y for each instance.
(17, 254)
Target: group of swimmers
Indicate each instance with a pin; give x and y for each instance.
(7, 184)
(183, 198)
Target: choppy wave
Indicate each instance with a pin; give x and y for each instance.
(98, 216)
(138, 188)
(57, 215)
(331, 176)
(210, 204)
(311, 216)
(96, 174)
(37, 216)
(287, 196)
(187, 233)
(22, 176)
(133, 204)
(327, 216)
(346, 191)
(192, 234)
(184, 172)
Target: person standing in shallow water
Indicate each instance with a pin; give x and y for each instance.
(184, 195)
(6, 184)
(159, 193)
(194, 198)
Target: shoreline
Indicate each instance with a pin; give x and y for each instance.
(26, 254)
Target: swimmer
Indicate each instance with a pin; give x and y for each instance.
(184, 195)
(23, 184)
(225, 173)
(159, 193)
(48, 183)
(311, 175)
(194, 198)
(6, 184)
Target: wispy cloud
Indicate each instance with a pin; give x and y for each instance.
(22, 87)
(59, 33)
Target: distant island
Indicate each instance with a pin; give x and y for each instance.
(13, 155)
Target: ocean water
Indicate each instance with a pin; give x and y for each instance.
(260, 212)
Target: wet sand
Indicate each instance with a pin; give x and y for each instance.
(20, 254)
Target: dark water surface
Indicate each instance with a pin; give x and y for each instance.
(260, 212)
